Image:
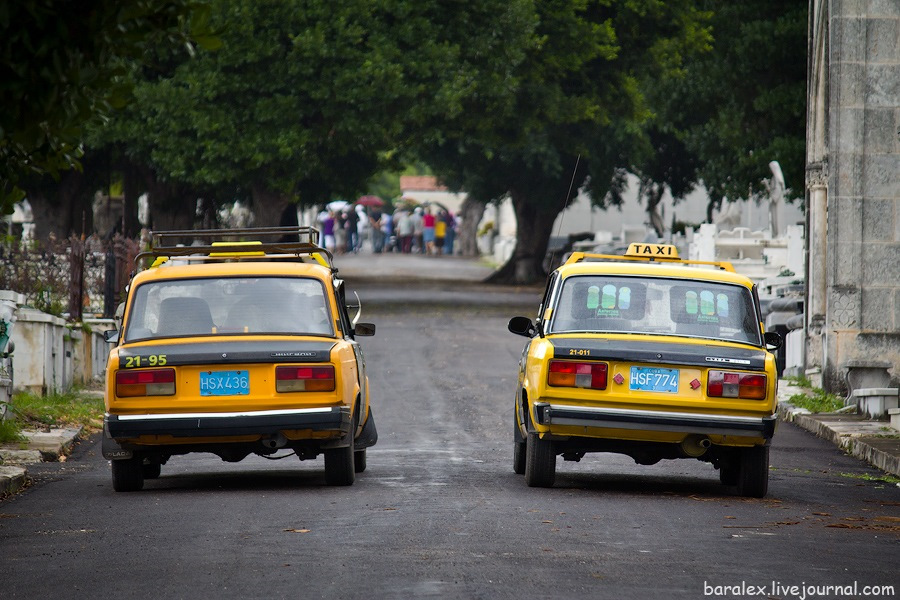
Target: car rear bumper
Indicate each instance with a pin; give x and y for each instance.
(265, 422)
(646, 420)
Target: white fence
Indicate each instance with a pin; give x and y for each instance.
(51, 355)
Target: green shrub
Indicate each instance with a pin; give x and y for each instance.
(10, 431)
(58, 409)
(817, 400)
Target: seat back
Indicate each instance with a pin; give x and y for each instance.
(184, 316)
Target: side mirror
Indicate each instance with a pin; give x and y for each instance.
(772, 339)
(364, 329)
(111, 336)
(522, 326)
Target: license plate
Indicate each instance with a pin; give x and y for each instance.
(653, 379)
(224, 383)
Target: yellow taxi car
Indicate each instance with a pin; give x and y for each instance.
(650, 356)
(236, 348)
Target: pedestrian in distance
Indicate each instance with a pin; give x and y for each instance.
(450, 235)
(404, 228)
(418, 230)
(375, 231)
(428, 231)
(351, 222)
(440, 231)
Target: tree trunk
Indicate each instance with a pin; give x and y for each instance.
(269, 206)
(534, 225)
(470, 214)
(61, 209)
(171, 208)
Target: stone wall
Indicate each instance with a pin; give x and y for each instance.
(853, 187)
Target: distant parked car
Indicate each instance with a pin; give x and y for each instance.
(237, 348)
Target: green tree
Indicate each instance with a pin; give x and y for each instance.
(743, 104)
(576, 114)
(61, 65)
(306, 101)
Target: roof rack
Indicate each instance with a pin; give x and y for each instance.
(250, 243)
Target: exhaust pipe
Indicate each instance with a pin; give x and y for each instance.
(274, 442)
(695, 446)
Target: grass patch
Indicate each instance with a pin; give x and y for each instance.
(817, 401)
(59, 409)
(10, 431)
(800, 381)
(869, 477)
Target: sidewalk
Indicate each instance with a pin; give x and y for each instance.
(873, 441)
(41, 446)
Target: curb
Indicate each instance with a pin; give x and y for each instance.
(43, 446)
(12, 479)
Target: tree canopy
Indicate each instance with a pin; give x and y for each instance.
(743, 104)
(307, 100)
(578, 101)
(60, 67)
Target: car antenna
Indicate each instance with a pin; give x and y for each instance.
(568, 197)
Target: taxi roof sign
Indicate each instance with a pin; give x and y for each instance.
(639, 251)
(653, 251)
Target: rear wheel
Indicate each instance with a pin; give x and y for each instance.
(728, 474)
(151, 470)
(519, 457)
(340, 463)
(753, 480)
(518, 450)
(540, 462)
(128, 475)
(359, 460)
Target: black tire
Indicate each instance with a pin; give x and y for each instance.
(128, 475)
(519, 457)
(518, 448)
(359, 460)
(753, 480)
(151, 470)
(728, 474)
(340, 463)
(540, 462)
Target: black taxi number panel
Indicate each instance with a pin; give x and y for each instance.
(224, 383)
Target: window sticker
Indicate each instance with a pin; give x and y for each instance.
(722, 305)
(690, 303)
(593, 297)
(707, 307)
(609, 296)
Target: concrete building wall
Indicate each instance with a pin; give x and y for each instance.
(853, 187)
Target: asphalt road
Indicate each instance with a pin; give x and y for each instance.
(439, 512)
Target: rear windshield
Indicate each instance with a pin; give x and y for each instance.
(229, 306)
(620, 304)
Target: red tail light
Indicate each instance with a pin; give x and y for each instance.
(565, 373)
(304, 379)
(725, 384)
(151, 382)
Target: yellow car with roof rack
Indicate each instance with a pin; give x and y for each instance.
(241, 345)
(650, 356)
